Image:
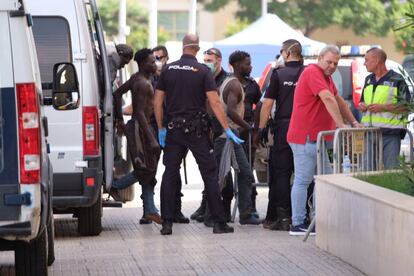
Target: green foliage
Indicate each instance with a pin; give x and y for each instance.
(404, 30)
(400, 182)
(363, 16)
(236, 26)
(137, 20)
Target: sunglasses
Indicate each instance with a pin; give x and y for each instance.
(159, 57)
(211, 52)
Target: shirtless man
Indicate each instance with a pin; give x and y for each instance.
(232, 97)
(143, 146)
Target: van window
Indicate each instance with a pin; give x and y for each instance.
(53, 45)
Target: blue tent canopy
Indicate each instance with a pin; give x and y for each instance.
(263, 40)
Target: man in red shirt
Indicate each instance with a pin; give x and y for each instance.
(317, 106)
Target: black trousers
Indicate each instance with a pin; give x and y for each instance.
(280, 171)
(247, 142)
(176, 146)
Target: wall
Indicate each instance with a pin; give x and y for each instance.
(367, 226)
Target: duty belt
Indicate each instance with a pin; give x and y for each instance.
(199, 123)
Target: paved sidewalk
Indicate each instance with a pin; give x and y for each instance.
(127, 248)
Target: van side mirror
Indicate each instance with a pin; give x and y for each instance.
(65, 89)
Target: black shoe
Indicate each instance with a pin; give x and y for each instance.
(209, 223)
(200, 218)
(283, 219)
(222, 228)
(200, 211)
(143, 220)
(281, 225)
(180, 218)
(166, 228)
(116, 195)
(253, 220)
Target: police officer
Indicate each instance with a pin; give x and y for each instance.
(281, 89)
(381, 110)
(186, 85)
(213, 60)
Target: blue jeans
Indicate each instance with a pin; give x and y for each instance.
(305, 162)
(147, 195)
(244, 177)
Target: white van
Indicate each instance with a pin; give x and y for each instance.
(81, 125)
(26, 217)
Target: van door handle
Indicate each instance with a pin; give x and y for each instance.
(45, 126)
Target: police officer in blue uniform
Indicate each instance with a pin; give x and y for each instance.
(281, 89)
(186, 85)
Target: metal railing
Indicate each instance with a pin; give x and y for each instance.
(353, 150)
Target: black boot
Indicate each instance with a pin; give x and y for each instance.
(166, 227)
(179, 216)
(198, 215)
(253, 197)
(227, 209)
(283, 219)
(222, 228)
(208, 220)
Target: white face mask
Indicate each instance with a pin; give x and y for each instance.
(280, 61)
(158, 64)
(211, 66)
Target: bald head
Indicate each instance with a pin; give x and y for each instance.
(191, 44)
(375, 61)
(378, 54)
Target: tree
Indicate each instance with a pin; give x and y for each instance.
(236, 26)
(363, 16)
(404, 30)
(137, 19)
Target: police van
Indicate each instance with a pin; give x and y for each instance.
(80, 122)
(26, 218)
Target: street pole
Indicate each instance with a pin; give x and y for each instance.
(192, 22)
(122, 27)
(153, 28)
(264, 7)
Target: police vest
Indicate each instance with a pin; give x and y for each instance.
(383, 94)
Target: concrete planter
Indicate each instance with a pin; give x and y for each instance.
(370, 227)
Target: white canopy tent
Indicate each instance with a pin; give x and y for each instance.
(263, 40)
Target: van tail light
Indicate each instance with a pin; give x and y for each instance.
(29, 133)
(90, 130)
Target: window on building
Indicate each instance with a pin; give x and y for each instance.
(175, 23)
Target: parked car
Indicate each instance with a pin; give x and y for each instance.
(408, 65)
(26, 217)
(80, 122)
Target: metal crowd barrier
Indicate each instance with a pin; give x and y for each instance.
(361, 146)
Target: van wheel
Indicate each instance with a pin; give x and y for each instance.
(89, 220)
(51, 240)
(31, 257)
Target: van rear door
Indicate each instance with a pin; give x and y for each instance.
(9, 165)
(108, 135)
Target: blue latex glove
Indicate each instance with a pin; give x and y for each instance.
(230, 134)
(162, 133)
